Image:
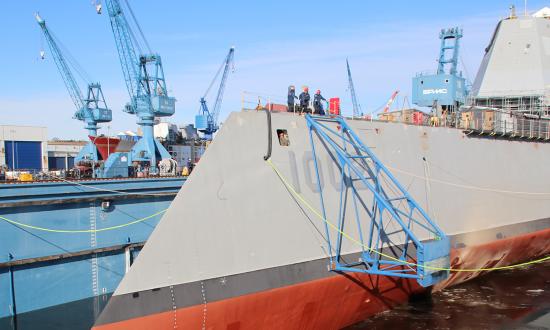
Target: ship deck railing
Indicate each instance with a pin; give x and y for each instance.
(505, 124)
(488, 119)
(534, 102)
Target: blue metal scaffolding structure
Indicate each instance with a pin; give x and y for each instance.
(401, 252)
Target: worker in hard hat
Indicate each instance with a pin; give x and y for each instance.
(291, 97)
(304, 100)
(317, 105)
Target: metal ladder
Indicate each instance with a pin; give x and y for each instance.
(398, 238)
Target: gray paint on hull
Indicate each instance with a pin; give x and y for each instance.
(149, 302)
(234, 216)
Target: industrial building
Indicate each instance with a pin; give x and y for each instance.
(61, 154)
(23, 147)
(28, 148)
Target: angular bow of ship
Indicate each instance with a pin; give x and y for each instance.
(240, 247)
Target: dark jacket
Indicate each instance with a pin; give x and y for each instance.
(317, 101)
(291, 96)
(304, 99)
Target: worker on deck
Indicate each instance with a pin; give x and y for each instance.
(304, 100)
(317, 105)
(291, 97)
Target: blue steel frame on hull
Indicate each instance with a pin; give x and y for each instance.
(357, 163)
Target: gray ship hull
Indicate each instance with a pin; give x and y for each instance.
(237, 250)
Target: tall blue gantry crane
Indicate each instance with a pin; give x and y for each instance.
(207, 121)
(91, 109)
(144, 77)
(356, 108)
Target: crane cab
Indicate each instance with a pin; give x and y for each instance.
(201, 122)
(95, 105)
(163, 105)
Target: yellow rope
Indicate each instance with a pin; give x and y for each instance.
(67, 231)
(470, 187)
(334, 227)
(309, 206)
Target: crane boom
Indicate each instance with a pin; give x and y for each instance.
(144, 77)
(221, 89)
(207, 121)
(62, 66)
(390, 101)
(143, 73)
(356, 109)
(124, 44)
(91, 109)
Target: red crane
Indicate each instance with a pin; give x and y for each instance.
(390, 101)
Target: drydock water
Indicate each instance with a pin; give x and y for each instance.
(511, 299)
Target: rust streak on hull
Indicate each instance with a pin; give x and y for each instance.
(503, 252)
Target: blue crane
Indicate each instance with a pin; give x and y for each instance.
(144, 77)
(356, 108)
(207, 121)
(446, 90)
(448, 52)
(91, 109)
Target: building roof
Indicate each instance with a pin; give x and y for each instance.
(67, 142)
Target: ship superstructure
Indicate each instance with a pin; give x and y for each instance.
(514, 74)
(510, 96)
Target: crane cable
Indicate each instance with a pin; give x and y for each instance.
(214, 80)
(70, 59)
(138, 27)
(299, 197)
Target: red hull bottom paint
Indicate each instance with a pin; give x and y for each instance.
(498, 253)
(336, 301)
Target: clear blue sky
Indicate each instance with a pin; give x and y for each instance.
(277, 43)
